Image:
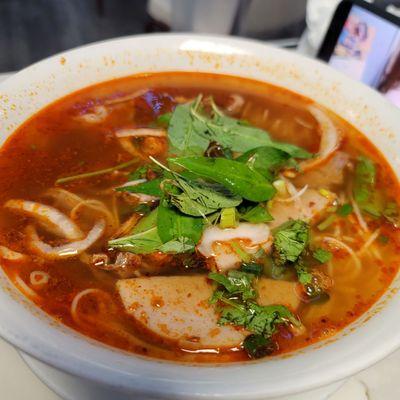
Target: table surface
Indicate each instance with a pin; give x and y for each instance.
(18, 382)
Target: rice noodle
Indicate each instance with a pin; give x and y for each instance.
(140, 132)
(67, 250)
(358, 214)
(294, 197)
(292, 191)
(78, 297)
(370, 240)
(97, 206)
(25, 288)
(330, 139)
(127, 97)
(11, 255)
(96, 116)
(63, 198)
(39, 278)
(344, 246)
(50, 217)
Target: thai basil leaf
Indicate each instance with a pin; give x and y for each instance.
(185, 135)
(144, 242)
(200, 199)
(290, 240)
(256, 215)
(174, 226)
(235, 176)
(150, 187)
(179, 245)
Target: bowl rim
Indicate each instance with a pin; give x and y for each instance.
(201, 381)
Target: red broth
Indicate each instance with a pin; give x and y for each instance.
(58, 142)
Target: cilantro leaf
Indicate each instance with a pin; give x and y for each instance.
(290, 240)
(236, 282)
(345, 210)
(258, 346)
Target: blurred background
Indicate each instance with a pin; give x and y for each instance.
(33, 29)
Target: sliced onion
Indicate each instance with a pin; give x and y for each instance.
(330, 139)
(39, 278)
(48, 216)
(67, 250)
(140, 132)
(11, 255)
(25, 288)
(215, 242)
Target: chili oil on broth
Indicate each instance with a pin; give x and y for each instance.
(56, 142)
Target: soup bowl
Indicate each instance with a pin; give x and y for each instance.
(367, 340)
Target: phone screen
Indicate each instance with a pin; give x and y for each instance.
(368, 50)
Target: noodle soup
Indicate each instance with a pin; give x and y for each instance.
(177, 216)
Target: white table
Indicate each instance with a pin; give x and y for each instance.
(18, 382)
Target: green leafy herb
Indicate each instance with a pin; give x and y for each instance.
(150, 187)
(256, 214)
(186, 134)
(304, 276)
(139, 173)
(258, 346)
(252, 268)
(144, 242)
(174, 226)
(322, 255)
(345, 210)
(383, 239)
(290, 240)
(236, 282)
(235, 176)
(392, 214)
(200, 199)
(164, 119)
(261, 320)
(179, 245)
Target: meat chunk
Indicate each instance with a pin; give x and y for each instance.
(177, 308)
(307, 207)
(327, 175)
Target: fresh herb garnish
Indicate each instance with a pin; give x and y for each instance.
(255, 214)
(252, 268)
(322, 255)
(258, 346)
(290, 240)
(345, 210)
(237, 177)
(150, 187)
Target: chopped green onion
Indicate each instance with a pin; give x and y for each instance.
(96, 173)
(245, 257)
(345, 210)
(228, 218)
(326, 193)
(327, 222)
(280, 187)
(252, 268)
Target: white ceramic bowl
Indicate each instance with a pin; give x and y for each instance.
(366, 341)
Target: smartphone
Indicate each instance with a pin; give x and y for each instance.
(363, 42)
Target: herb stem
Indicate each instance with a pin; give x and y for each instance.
(96, 173)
